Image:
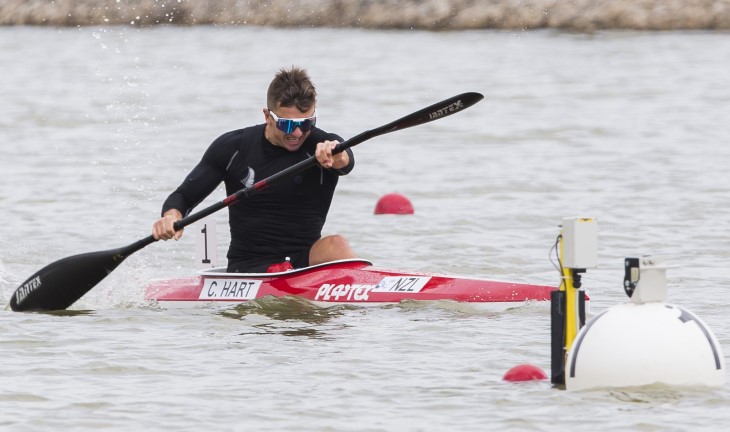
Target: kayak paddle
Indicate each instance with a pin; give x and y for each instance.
(59, 284)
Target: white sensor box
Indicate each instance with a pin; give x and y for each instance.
(580, 242)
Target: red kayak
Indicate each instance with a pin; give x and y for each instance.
(353, 282)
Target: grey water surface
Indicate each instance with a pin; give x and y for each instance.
(99, 124)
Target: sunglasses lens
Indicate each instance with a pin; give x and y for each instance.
(284, 126)
(288, 126)
(307, 124)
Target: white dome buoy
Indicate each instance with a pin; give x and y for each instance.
(645, 341)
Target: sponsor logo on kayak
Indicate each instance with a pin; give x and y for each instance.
(456, 106)
(229, 289)
(402, 284)
(27, 288)
(344, 292)
(361, 292)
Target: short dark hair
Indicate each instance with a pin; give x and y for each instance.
(291, 87)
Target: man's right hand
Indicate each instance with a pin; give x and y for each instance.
(163, 227)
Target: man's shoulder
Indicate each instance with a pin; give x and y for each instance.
(230, 143)
(247, 133)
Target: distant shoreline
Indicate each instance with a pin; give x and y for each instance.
(572, 15)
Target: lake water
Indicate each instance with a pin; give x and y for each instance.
(98, 125)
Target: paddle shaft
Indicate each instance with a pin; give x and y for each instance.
(59, 284)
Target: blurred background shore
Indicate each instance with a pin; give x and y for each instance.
(573, 15)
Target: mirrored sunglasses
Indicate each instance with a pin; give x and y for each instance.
(289, 125)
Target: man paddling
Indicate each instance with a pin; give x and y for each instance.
(286, 219)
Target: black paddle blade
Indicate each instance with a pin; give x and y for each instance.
(58, 285)
(433, 112)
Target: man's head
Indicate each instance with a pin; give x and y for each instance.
(291, 88)
(291, 101)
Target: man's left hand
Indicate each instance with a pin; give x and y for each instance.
(326, 159)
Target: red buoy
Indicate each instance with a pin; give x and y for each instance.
(524, 372)
(393, 203)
